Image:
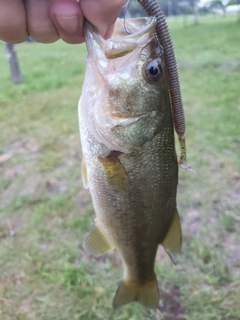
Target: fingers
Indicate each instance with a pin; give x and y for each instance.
(102, 14)
(39, 23)
(48, 20)
(12, 21)
(68, 19)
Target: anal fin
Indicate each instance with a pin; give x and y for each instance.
(172, 242)
(96, 242)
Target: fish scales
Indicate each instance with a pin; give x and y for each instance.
(130, 163)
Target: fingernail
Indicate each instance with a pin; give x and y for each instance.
(68, 24)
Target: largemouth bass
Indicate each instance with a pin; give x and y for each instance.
(129, 159)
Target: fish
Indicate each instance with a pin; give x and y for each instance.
(129, 160)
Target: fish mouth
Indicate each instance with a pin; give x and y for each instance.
(121, 43)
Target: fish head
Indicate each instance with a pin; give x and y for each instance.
(125, 91)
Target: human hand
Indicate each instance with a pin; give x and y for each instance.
(48, 20)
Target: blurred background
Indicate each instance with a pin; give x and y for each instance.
(45, 212)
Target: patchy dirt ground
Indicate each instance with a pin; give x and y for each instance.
(170, 305)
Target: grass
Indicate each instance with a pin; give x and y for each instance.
(45, 212)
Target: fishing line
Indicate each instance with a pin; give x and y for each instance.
(127, 6)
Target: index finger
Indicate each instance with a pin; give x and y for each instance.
(102, 13)
(13, 21)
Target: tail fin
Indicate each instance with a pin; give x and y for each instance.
(128, 291)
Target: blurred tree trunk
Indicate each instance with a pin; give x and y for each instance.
(11, 54)
(195, 10)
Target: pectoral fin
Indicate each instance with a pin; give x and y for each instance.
(115, 171)
(97, 243)
(84, 173)
(173, 241)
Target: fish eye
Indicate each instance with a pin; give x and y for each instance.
(153, 70)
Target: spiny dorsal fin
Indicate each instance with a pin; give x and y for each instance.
(172, 243)
(96, 242)
(84, 173)
(128, 291)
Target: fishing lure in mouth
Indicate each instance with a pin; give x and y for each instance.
(153, 8)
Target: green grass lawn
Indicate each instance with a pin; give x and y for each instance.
(45, 274)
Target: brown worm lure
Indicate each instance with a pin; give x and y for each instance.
(153, 8)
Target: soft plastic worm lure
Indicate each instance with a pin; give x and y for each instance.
(153, 8)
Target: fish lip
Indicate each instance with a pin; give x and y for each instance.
(121, 43)
(150, 23)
